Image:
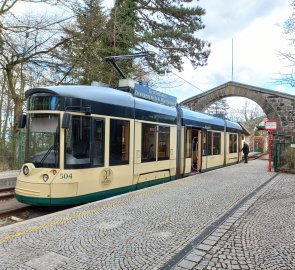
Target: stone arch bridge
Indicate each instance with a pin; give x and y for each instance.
(276, 105)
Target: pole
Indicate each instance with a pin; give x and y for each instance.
(270, 151)
(232, 59)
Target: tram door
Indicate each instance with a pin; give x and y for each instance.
(196, 149)
(240, 146)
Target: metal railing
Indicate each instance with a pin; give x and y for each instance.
(10, 159)
(284, 157)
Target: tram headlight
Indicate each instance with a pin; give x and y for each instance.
(45, 177)
(26, 170)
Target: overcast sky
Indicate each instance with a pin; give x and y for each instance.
(257, 30)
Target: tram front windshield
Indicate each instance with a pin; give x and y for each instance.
(43, 140)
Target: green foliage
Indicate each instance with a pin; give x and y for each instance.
(287, 160)
(169, 28)
(165, 27)
(219, 107)
(84, 51)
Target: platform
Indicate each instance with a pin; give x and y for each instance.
(8, 179)
(238, 217)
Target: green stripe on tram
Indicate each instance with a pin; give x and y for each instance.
(92, 196)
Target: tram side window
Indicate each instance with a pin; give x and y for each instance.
(209, 143)
(164, 143)
(233, 143)
(236, 143)
(204, 143)
(148, 143)
(119, 142)
(216, 143)
(98, 147)
(77, 143)
(188, 143)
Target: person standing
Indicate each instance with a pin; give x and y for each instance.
(245, 151)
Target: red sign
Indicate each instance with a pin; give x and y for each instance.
(271, 125)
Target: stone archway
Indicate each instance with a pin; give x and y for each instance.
(276, 105)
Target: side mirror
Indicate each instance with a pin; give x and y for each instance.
(66, 120)
(22, 121)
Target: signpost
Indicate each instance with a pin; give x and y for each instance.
(270, 126)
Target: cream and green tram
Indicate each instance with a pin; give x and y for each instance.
(209, 142)
(86, 143)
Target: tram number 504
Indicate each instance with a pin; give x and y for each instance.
(65, 176)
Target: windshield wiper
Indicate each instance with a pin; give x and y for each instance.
(46, 154)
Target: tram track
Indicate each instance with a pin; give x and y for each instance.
(9, 207)
(14, 211)
(6, 193)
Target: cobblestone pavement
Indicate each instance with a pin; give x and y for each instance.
(146, 228)
(260, 235)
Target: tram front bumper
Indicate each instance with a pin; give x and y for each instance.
(32, 193)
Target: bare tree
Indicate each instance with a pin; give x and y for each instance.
(7, 5)
(26, 44)
(247, 113)
(289, 56)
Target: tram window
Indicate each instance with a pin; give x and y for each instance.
(216, 143)
(119, 142)
(43, 102)
(233, 143)
(98, 147)
(188, 144)
(164, 143)
(77, 143)
(209, 143)
(43, 140)
(204, 143)
(148, 146)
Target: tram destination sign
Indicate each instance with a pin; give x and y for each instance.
(145, 92)
(271, 125)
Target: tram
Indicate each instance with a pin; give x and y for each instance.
(86, 143)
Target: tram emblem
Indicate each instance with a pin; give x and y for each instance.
(106, 176)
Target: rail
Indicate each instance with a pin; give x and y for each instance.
(14, 210)
(6, 193)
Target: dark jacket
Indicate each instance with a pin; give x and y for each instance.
(245, 149)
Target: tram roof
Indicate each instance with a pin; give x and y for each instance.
(147, 105)
(94, 93)
(233, 125)
(208, 121)
(144, 109)
(191, 117)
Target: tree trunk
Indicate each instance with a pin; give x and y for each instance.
(5, 123)
(1, 103)
(18, 103)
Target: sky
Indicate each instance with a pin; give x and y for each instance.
(256, 31)
(250, 31)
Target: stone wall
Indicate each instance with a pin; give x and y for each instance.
(276, 105)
